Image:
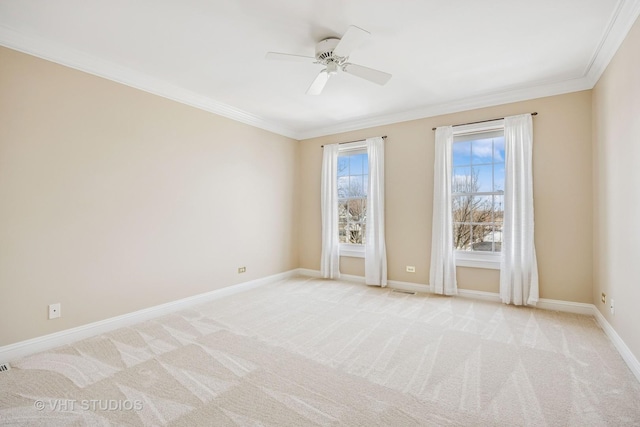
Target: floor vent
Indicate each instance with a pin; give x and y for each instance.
(402, 291)
(4, 367)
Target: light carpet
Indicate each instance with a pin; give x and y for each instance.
(314, 352)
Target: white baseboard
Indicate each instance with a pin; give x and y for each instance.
(408, 286)
(352, 278)
(566, 306)
(395, 284)
(543, 303)
(309, 273)
(479, 295)
(625, 352)
(46, 342)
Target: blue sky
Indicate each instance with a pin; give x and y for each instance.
(356, 164)
(480, 156)
(352, 171)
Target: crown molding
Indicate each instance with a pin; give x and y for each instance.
(620, 22)
(488, 100)
(81, 61)
(622, 19)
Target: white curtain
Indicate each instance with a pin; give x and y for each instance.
(375, 261)
(519, 268)
(330, 258)
(442, 276)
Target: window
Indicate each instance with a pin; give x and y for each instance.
(477, 191)
(353, 177)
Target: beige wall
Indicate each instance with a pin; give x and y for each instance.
(616, 183)
(113, 199)
(562, 186)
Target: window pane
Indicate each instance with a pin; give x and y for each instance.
(356, 210)
(462, 153)
(355, 164)
(461, 236)
(498, 208)
(462, 180)
(343, 165)
(483, 247)
(483, 177)
(482, 228)
(342, 234)
(497, 238)
(481, 209)
(481, 237)
(498, 149)
(489, 238)
(498, 177)
(343, 187)
(354, 233)
(482, 151)
(356, 188)
(342, 211)
(462, 208)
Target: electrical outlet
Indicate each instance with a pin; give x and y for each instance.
(54, 311)
(411, 269)
(603, 298)
(611, 307)
(242, 270)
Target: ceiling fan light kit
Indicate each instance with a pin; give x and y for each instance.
(334, 53)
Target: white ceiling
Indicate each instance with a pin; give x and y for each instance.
(445, 56)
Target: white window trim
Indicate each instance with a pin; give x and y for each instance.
(479, 127)
(349, 249)
(488, 260)
(351, 146)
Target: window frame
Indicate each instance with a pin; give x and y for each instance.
(477, 259)
(353, 250)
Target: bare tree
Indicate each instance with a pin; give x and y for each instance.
(472, 215)
(352, 210)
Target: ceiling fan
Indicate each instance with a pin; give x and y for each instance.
(334, 53)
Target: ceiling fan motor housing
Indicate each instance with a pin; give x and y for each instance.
(324, 51)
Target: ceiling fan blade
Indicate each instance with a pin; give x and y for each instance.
(288, 57)
(353, 38)
(375, 76)
(318, 84)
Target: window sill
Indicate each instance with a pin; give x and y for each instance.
(349, 250)
(478, 260)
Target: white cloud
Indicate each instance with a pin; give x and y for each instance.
(483, 150)
(461, 179)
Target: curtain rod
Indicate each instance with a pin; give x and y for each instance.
(357, 140)
(535, 113)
